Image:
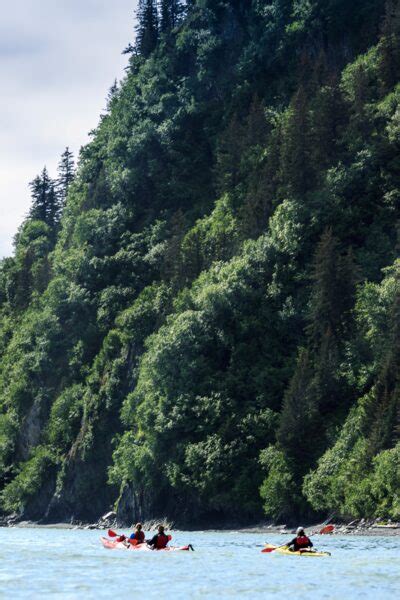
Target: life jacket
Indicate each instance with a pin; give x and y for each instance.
(302, 541)
(162, 541)
(139, 536)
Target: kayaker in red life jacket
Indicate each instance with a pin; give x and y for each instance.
(160, 540)
(138, 534)
(300, 542)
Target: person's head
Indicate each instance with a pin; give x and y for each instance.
(161, 529)
(138, 526)
(300, 531)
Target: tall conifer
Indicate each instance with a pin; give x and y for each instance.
(66, 174)
(170, 14)
(147, 28)
(45, 201)
(229, 154)
(299, 415)
(296, 145)
(389, 47)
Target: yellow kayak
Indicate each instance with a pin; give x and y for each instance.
(285, 550)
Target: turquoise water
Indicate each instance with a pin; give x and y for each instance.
(55, 563)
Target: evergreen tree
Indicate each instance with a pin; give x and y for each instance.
(385, 409)
(317, 391)
(389, 47)
(262, 168)
(328, 120)
(334, 279)
(147, 28)
(170, 14)
(256, 124)
(66, 174)
(360, 125)
(112, 92)
(46, 205)
(296, 146)
(332, 300)
(229, 155)
(172, 268)
(300, 415)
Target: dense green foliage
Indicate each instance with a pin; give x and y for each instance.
(212, 330)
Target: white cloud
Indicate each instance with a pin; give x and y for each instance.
(58, 59)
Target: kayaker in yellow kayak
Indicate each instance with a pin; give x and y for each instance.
(301, 542)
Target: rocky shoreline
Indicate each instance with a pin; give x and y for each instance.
(364, 527)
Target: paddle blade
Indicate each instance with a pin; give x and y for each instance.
(327, 529)
(133, 542)
(112, 533)
(269, 548)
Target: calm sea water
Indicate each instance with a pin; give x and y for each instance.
(55, 563)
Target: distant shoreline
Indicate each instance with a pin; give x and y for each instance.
(341, 529)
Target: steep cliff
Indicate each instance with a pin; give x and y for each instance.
(211, 331)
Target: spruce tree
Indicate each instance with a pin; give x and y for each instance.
(256, 124)
(296, 145)
(229, 155)
(384, 410)
(325, 299)
(54, 209)
(330, 320)
(46, 205)
(66, 174)
(361, 124)
(334, 282)
(328, 122)
(147, 28)
(318, 391)
(39, 190)
(112, 92)
(262, 167)
(389, 47)
(299, 418)
(170, 14)
(172, 268)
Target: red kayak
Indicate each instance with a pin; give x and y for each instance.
(112, 545)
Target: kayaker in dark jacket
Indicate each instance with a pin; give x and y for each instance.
(300, 542)
(160, 540)
(138, 534)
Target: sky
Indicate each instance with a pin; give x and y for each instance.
(58, 59)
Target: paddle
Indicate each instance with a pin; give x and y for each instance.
(271, 548)
(121, 537)
(327, 529)
(112, 533)
(133, 542)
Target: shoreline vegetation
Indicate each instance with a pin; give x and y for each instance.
(201, 317)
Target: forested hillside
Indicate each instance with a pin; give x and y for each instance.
(203, 321)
